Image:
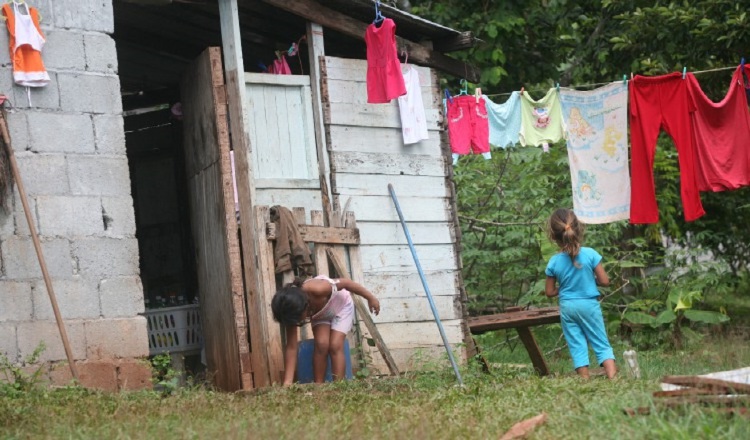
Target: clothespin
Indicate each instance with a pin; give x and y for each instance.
(624, 79)
(477, 94)
(631, 75)
(448, 96)
(522, 90)
(684, 72)
(557, 86)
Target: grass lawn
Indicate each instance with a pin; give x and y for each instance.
(424, 405)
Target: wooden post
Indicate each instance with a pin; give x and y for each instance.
(37, 245)
(254, 283)
(315, 51)
(537, 359)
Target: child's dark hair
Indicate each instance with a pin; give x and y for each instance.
(289, 304)
(567, 232)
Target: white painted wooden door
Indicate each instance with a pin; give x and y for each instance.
(282, 134)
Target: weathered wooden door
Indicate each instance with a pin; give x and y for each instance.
(213, 222)
(282, 133)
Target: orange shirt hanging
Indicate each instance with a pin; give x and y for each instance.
(26, 41)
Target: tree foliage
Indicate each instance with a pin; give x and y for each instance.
(503, 203)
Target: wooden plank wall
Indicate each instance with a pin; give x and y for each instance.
(367, 153)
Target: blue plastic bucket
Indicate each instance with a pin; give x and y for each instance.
(304, 362)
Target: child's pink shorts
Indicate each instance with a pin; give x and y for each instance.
(468, 125)
(342, 321)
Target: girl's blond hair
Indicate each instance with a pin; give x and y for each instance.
(566, 231)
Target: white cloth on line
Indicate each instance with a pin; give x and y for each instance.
(597, 138)
(411, 107)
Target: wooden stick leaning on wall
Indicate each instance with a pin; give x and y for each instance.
(37, 244)
(340, 268)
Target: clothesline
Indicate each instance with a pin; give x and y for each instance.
(698, 72)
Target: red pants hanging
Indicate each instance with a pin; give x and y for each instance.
(468, 125)
(655, 103)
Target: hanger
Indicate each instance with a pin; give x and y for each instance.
(464, 87)
(378, 16)
(405, 54)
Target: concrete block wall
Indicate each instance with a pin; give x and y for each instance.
(70, 146)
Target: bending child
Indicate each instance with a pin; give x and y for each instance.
(578, 270)
(327, 304)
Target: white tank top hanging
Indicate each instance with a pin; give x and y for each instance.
(26, 32)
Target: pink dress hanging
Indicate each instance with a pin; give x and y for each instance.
(385, 81)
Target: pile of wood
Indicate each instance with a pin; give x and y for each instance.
(721, 395)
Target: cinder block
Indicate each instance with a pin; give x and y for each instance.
(21, 263)
(90, 93)
(119, 217)
(106, 257)
(43, 173)
(15, 301)
(77, 298)
(117, 338)
(121, 297)
(64, 50)
(18, 127)
(69, 216)
(30, 334)
(101, 375)
(90, 15)
(7, 227)
(59, 373)
(4, 55)
(101, 54)
(110, 134)
(22, 225)
(134, 374)
(46, 17)
(47, 97)
(97, 175)
(61, 133)
(9, 343)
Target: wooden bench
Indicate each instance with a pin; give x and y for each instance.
(521, 320)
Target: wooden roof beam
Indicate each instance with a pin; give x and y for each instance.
(418, 54)
(464, 40)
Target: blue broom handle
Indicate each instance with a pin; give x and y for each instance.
(424, 284)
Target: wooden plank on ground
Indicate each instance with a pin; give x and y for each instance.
(722, 386)
(338, 262)
(394, 164)
(321, 234)
(524, 318)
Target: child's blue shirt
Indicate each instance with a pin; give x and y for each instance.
(575, 283)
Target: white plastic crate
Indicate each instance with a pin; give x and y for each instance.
(174, 329)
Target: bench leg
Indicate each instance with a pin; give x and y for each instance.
(537, 359)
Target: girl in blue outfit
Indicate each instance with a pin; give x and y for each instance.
(578, 270)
